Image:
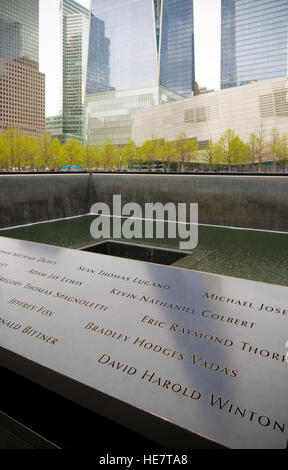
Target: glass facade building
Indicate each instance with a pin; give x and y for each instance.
(254, 41)
(22, 86)
(129, 53)
(177, 47)
(137, 49)
(19, 30)
(75, 26)
(54, 125)
(110, 115)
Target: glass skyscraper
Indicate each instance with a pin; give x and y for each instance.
(141, 53)
(19, 30)
(177, 46)
(22, 86)
(254, 41)
(75, 26)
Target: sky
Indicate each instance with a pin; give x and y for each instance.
(207, 24)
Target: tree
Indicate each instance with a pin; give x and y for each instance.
(167, 152)
(20, 152)
(108, 154)
(129, 154)
(14, 141)
(282, 149)
(210, 153)
(118, 157)
(97, 157)
(253, 146)
(185, 149)
(273, 145)
(30, 151)
(4, 153)
(150, 150)
(89, 156)
(45, 150)
(231, 150)
(71, 153)
(260, 147)
(56, 153)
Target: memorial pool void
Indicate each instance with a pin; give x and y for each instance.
(248, 254)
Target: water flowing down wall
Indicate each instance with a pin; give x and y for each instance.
(26, 199)
(259, 202)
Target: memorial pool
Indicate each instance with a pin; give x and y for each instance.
(248, 254)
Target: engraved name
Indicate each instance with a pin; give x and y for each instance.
(121, 277)
(27, 306)
(10, 282)
(29, 330)
(213, 366)
(67, 298)
(106, 332)
(202, 335)
(225, 405)
(165, 350)
(28, 257)
(263, 352)
(246, 304)
(56, 277)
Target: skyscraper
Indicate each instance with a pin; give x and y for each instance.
(141, 53)
(177, 66)
(75, 24)
(22, 86)
(254, 41)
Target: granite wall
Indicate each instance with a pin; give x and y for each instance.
(237, 201)
(26, 199)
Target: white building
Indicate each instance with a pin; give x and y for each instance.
(244, 109)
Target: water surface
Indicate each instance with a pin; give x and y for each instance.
(256, 255)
